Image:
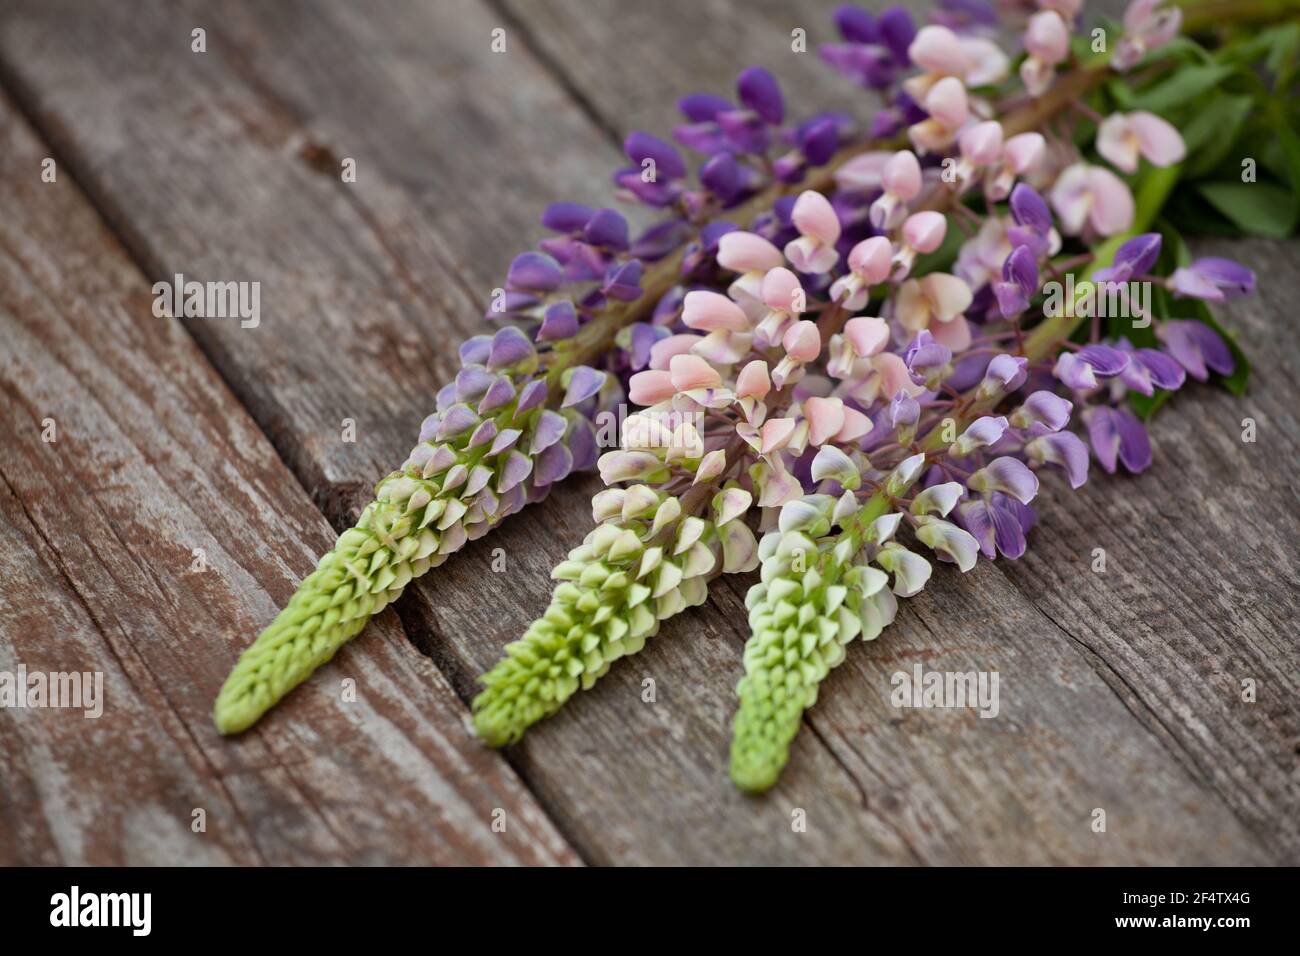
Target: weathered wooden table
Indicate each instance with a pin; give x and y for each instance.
(1121, 691)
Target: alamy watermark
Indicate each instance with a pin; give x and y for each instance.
(75, 908)
(71, 690)
(209, 300)
(1102, 300)
(935, 689)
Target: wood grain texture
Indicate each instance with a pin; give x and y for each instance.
(154, 458)
(454, 164)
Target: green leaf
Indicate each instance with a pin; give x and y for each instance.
(1184, 85)
(1213, 131)
(1290, 143)
(1260, 208)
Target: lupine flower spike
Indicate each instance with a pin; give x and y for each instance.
(857, 351)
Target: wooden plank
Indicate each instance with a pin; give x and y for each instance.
(154, 458)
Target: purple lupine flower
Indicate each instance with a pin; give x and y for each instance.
(702, 131)
(1019, 282)
(904, 413)
(568, 217)
(641, 337)
(1011, 476)
(1064, 449)
(927, 360)
(1033, 220)
(999, 523)
(1134, 258)
(1197, 347)
(1149, 369)
(659, 167)
(1105, 360)
(659, 239)
(716, 125)
(1213, 280)
(559, 322)
(1005, 374)
(897, 31)
(606, 229)
(582, 382)
(1116, 434)
(725, 178)
(1074, 372)
(1029, 209)
(863, 56)
(816, 140)
(1043, 409)
(758, 90)
(587, 239)
(534, 271)
(981, 433)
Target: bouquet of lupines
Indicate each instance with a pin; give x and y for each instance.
(864, 341)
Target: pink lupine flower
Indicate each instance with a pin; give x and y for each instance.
(775, 434)
(1047, 41)
(900, 178)
(783, 301)
(940, 52)
(923, 232)
(1123, 137)
(858, 357)
(661, 352)
(936, 302)
(752, 385)
(650, 387)
(709, 311)
(1092, 196)
(747, 252)
(829, 419)
(825, 418)
(753, 381)
(862, 338)
(752, 256)
(1145, 29)
(948, 108)
(869, 264)
(689, 372)
(981, 147)
(862, 173)
(802, 343)
(819, 229)
(1021, 156)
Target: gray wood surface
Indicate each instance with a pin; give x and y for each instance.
(1119, 692)
(153, 457)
